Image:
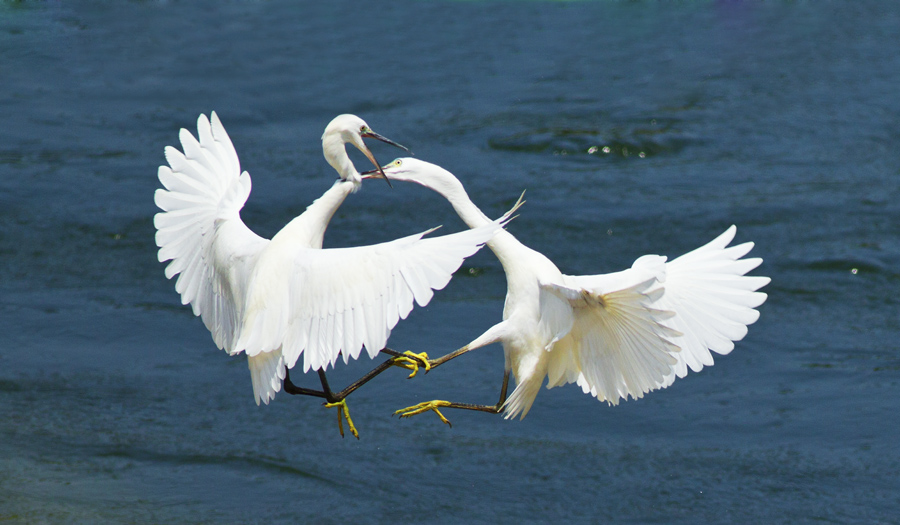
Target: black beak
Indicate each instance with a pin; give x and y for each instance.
(372, 135)
(371, 157)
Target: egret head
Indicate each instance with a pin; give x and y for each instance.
(349, 129)
(403, 168)
(408, 169)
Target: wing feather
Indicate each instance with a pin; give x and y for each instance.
(348, 341)
(200, 231)
(710, 302)
(618, 345)
(180, 182)
(418, 284)
(372, 287)
(393, 308)
(714, 301)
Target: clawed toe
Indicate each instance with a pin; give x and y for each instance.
(424, 407)
(343, 413)
(412, 361)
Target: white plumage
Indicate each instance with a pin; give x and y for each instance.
(615, 335)
(279, 299)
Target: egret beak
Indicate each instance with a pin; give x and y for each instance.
(371, 157)
(373, 174)
(372, 135)
(368, 133)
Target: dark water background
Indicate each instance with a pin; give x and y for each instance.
(783, 118)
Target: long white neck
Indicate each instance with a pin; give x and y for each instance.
(308, 229)
(452, 190)
(336, 154)
(445, 183)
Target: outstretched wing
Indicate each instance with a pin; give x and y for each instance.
(338, 300)
(200, 228)
(618, 345)
(712, 298)
(703, 300)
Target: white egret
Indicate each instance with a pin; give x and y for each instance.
(280, 298)
(615, 335)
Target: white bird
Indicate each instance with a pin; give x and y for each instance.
(615, 335)
(282, 298)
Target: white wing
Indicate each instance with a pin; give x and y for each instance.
(200, 229)
(618, 345)
(712, 299)
(338, 300)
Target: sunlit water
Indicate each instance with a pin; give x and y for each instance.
(634, 127)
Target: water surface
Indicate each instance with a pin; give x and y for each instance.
(634, 127)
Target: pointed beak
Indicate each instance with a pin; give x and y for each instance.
(377, 169)
(374, 174)
(372, 135)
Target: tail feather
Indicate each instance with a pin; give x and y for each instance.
(520, 401)
(267, 372)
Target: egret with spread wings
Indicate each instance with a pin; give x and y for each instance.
(277, 300)
(615, 335)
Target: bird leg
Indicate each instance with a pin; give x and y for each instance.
(424, 407)
(437, 404)
(433, 363)
(332, 400)
(408, 359)
(343, 411)
(338, 402)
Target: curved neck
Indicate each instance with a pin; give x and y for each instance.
(308, 229)
(446, 184)
(336, 154)
(453, 190)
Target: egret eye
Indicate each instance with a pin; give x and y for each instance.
(363, 129)
(398, 162)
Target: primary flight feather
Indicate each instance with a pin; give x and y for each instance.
(615, 335)
(279, 299)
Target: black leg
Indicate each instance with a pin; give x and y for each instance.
(436, 405)
(331, 397)
(433, 363)
(293, 389)
(333, 400)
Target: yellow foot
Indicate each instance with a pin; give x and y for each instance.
(424, 407)
(345, 412)
(412, 362)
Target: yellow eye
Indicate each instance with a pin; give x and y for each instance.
(363, 129)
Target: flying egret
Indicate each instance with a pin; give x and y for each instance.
(615, 335)
(280, 298)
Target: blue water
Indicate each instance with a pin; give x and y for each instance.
(782, 118)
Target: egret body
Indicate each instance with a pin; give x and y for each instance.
(615, 335)
(278, 299)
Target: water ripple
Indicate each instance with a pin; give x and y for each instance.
(623, 140)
